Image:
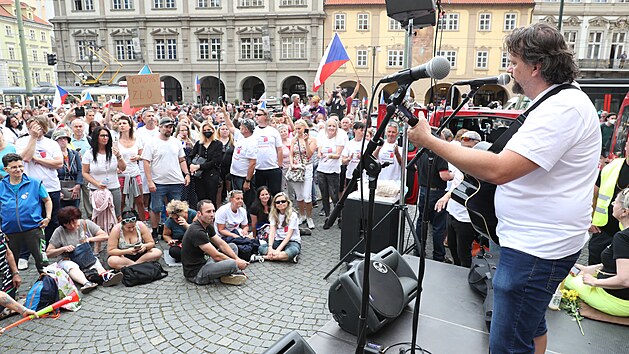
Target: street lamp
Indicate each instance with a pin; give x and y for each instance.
(374, 49)
(218, 54)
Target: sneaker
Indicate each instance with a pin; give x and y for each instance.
(87, 287)
(302, 219)
(22, 264)
(256, 258)
(233, 279)
(111, 279)
(310, 222)
(322, 213)
(295, 259)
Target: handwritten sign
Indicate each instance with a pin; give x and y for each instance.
(144, 90)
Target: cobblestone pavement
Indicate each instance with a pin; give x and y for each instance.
(172, 315)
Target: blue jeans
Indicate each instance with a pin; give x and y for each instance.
(168, 191)
(292, 248)
(523, 286)
(436, 219)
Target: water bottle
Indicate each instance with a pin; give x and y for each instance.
(555, 301)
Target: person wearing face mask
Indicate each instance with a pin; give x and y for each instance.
(205, 163)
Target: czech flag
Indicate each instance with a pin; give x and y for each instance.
(86, 99)
(126, 105)
(60, 97)
(197, 84)
(365, 101)
(262, 101)
(334, 56)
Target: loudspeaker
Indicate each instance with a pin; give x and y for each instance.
(385, 234)
(404, 10)
(291, 343)
(392, 285)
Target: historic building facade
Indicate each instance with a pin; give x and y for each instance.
(254, 46)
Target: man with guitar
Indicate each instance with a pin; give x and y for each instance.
(544, 176)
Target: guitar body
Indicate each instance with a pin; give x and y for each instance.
(478, 198)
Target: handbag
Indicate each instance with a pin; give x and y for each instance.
(297, 174)
(66, 189)
(83, 255)
(198, 160)
(142, 273)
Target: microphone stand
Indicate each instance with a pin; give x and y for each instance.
(372, 167)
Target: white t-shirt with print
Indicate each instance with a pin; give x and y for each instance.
(163, 157)
(267, 140)
(232, 221)
(102, 170)
(245, 149)
(46, 149)
(393, 172)
(328, 146)
(282, 231)
(352, 149)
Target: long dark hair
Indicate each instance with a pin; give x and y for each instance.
(257, 204)
(94, 143)
(128, 120)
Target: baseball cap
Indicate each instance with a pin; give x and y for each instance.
(472, 135)
(166, 121)
(61, 132)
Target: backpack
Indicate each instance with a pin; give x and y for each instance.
(142, 273)
(43, 293)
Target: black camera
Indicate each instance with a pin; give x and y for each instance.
(334, 93)
(79, 111)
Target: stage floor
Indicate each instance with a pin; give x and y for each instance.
(451, 321)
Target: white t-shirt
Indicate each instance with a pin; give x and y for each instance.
(245, 149)
(352, 149)
(328, 146)
(164, 159)
(392, 172)
(547, 212)
(455, 208)
(102, 170)
(293, 224)
(133, 168)
(233, 221)
(145, 135)
(46, 149)
(268, 139)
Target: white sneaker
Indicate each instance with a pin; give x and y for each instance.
(233, 279)
(22, 264)
(302, 219)
(256, 258)
(311, 224)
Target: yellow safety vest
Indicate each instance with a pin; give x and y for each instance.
(609, 177)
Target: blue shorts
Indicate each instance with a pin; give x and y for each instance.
(292, 248)
(168, 191)
(523, 287)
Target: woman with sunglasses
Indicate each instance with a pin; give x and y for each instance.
(180, 216)
(284, 239)
(130, 242)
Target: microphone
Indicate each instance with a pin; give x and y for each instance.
(437, 68)
(501, 79)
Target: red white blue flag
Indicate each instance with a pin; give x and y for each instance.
(334, 56)
(197, 84)
(60, 97)
(86, 99)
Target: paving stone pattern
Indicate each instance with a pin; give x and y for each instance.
(172, 315)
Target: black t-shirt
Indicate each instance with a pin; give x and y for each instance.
(258, 210)
(619, 249)
(192, 256)
(623, 181)
(336, 107)
(422, 168)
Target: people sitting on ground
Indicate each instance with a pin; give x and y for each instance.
(231, 218)
(180, 216)
(21, 198)
(201, 240)
(605, 286)
(259, 212)
(130, 242)
(75, 260)
(10, 279)
(284, 239)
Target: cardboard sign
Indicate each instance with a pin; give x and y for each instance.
(144, 90)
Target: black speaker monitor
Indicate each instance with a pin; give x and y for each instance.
(392, 284)
(404, 10)
(292, 343)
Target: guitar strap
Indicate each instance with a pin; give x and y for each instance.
(501, 142)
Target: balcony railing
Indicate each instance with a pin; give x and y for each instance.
(602, 64)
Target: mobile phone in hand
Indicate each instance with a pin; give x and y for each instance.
(575, 271)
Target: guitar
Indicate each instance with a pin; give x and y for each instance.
(478, 196)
